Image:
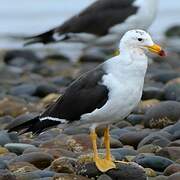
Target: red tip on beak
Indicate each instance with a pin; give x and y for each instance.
(162, 53)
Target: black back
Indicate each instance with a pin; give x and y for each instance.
(83, 96)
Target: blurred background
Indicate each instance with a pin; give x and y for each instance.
(33, 77)
(20, 17)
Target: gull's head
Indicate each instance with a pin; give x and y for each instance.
(139, 39)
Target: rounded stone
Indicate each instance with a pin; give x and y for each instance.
(18, 148)
(156, 163)
(162, 115)
(133, 138)
(6, 175)
(149, 148)
(173, 168)
(172, 90)
(175, 176)
(170, 152)
(39, 159)
(64, 165)
(21, 167)
(153, 92)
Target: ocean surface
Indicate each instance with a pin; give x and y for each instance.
(22, 17)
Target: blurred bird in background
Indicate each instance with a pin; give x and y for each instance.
(101, 24)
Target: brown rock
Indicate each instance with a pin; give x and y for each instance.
(14, 107)
(39, 159)
(21, 167)
(69, 177)
(175, 176)
(175, 143)
(162, 114)
(64, 165)
(173, 168)
(149, 148)
(170, 152)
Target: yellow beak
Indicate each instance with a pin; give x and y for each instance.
(156, 49)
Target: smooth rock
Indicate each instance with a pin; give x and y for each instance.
(64, 165)
(104, 177)
(39, 159)
(34, 175)
(150, 172)
(117, 132)
(156, 163)
(174, 143)
(28, 89)
(135, 119)
(126, 171)
(21, 167)
(43, 90)
(170, 152)
(4, 138)
(175, 176)
(69, 177)
(162, 115)
(173, 168)
(153, 92)
(172, 90)
(3, 151)
(18, 148)
(165, 76)
(133, 138)
(149, 148)
(173, 31)
(155, 139)
(3, 165)
(6, 175)
(144, 105)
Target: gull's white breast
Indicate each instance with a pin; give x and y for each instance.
(125, 84)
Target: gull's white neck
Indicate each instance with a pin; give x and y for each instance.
(131, 62)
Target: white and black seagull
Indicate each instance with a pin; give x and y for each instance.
(103, 95)
(103, 22)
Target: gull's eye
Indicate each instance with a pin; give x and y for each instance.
(140, 39)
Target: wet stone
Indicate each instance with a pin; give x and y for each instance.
(3, 165)
(69, 177)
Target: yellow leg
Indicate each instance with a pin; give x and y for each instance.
(102, 164)
(107, 144)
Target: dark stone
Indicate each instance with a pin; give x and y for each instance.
(4, 138)
(165, 76)
(104, 177)
(133, 138)
(23, 89)
(175, 176)
(173, 168)
(172, 91)
(153, 93)
(162, 114)
(135, 119)
(156, 163)
(6, 175)
(39, 159)
(170, 152)
(117, 132)
(3, 165)
(43, 90)
(127, 171)
(155, 139)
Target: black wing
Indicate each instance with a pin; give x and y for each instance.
(83, 96)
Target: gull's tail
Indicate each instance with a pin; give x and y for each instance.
(33, 125)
